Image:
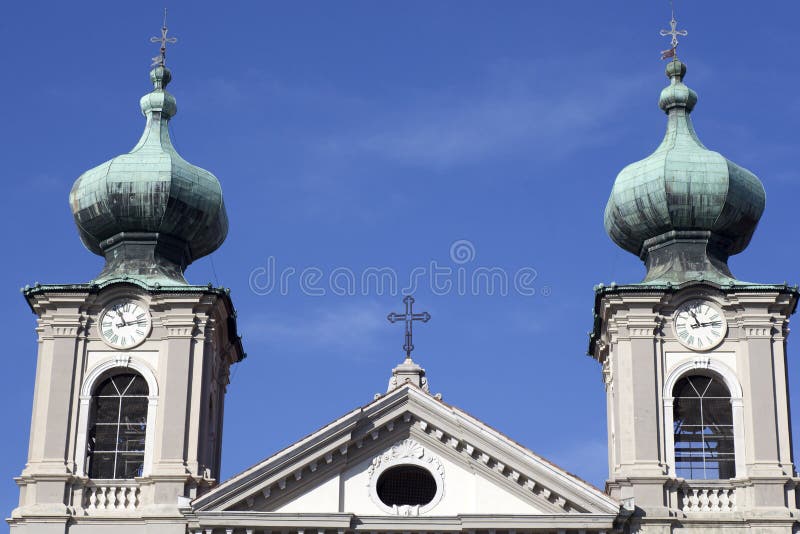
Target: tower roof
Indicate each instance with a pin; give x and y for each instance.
(150, 212)
(684, 209)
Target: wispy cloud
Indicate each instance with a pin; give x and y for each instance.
(514, 108)
(334, 140)
(513, 111)
(350, 327)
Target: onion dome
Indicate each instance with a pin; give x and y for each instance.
(150, 213)
(684, 209)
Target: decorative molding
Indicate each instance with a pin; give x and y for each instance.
(408, 448)
(122, 359)
(117, 361)
(65, 330)
(499, 468)
(180, 331)
(642, 331)
(608, 374)
(757, 331)
(406, 452)
(704, 362)
(728, 376)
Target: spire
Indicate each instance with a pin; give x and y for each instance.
(149, 212)
(684, 209)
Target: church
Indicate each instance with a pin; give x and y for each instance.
(133, 366)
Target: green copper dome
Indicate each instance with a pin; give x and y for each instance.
(150, 212)
(684, 209)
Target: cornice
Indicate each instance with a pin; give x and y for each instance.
(343, 522)
(544, 485)
(201, 300)
(778, 300)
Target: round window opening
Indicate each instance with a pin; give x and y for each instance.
(408, 485)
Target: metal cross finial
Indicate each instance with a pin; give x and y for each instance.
(674, 32)
(409, 317)
(161, 59)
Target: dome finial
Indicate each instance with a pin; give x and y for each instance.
(149, 212)
(685, 209)
(671, 52)
(161, 59)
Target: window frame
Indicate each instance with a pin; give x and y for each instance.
(122, 404)
(706, 366)
(703, 441)
(101, 371)
(406, 452)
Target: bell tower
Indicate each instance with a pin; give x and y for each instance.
(693, 359)
(132, 367)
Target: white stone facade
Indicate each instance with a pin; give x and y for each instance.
(484, 482)
(185, 362)
(642, 361)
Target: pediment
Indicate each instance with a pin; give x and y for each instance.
(476, 469)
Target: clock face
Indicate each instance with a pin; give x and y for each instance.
(700, 325)
(125, 323)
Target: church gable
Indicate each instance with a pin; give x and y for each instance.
(445, 486)
(362, 463)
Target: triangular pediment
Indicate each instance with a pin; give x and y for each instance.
(476, 470)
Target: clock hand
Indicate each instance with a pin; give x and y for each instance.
(140, 322)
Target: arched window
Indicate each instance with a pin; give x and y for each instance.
(115, 445)
(703, 427)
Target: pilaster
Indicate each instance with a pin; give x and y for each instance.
(187, 355)
(641, 361)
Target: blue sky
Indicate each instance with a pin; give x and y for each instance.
(355, 135)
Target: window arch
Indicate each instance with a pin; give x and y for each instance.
(116, 439)
(703, 428)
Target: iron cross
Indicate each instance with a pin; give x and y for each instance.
(409, 317)
(161, 58)
(674, 32)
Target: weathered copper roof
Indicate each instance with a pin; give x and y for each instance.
(684, 209)
(150, 212)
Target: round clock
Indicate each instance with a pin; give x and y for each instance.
(125, 323)
(699, 324)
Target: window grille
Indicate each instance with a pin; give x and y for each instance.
(115, 446)
(406, 485)
(703, 427)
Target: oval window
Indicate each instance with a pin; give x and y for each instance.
(409, 485)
